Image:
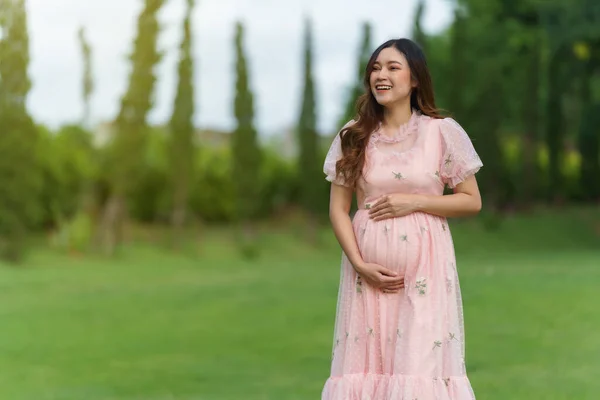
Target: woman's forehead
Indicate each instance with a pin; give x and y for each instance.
(390, 54)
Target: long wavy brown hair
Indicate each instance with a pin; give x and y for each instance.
(355, 137)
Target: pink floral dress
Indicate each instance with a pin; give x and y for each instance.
(408, 345)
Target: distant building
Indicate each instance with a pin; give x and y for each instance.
(205, 137)
(212, 138)
(102, 134)
(284, 142)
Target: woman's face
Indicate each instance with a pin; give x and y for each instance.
(390, 79)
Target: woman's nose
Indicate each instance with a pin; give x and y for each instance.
(382, 74)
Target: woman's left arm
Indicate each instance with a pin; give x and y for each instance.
(465, 201)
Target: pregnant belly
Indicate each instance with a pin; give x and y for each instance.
(395, 243)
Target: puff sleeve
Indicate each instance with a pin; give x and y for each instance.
(459, 158)
(333, 155)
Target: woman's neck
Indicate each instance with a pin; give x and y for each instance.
(397, 115)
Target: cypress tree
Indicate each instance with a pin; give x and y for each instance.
(556, 124)
(182, 126)
(588, 141)
(308, 161)
(531, 117)
(418, 34)
(130, 128)
(20, 191)
(88, 82)
(357, 87)
(459, 67)
(245, 149)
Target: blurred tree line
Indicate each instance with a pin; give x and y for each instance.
(522, 77)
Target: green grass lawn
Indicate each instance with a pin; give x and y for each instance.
(207, 325)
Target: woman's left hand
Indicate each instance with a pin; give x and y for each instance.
(393, 205)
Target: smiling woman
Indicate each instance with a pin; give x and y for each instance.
(399, 325)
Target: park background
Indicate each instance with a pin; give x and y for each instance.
(163, 210)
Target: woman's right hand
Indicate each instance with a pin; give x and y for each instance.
(380, 277)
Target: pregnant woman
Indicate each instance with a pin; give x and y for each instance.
(399, 324)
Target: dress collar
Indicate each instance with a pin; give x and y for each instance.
(407, 129)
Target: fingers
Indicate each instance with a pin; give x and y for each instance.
(386, 271)
(399, 283)
(387, 284)
(387, 281)
(388, 277)
(375, 209)
(384, 278)
(382, 215)
(394, 287)
(382, 200)
(380, 212)
(379, 205)
(378, 209)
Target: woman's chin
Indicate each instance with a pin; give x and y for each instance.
(384, 101)
(387, 101)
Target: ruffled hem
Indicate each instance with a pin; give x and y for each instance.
(397, 387)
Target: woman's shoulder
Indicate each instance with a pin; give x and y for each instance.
(440, 125)
(348, 124)
(344, 127)
(434, 121)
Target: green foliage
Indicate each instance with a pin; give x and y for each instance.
(69, 165)
(131, 127)
(20, 207)
(14, 53)
(589, 147)
(70, 168)
(280, 183)
(520, 77)
(457, 70)
(20, 174)
(212, 196)
(245, 149)
(418, 34)
(309, 165)
(357, 88)
(150, 198)
(124, 156)
(213, 192)
(88, 81)
(74, 234)
(182, 126)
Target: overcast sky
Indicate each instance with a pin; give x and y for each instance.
(273, 45)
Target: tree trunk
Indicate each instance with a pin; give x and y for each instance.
(589, 139)
(247, 241)
(555, 130)
(110, 233)
(531, 124)
(178, 217)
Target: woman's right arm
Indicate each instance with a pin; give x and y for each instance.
(340, 202)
